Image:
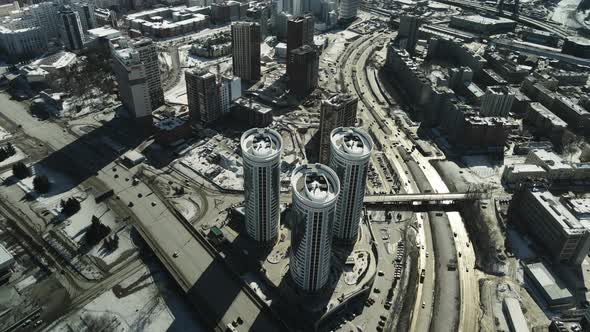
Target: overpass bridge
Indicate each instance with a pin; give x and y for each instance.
(422, 199)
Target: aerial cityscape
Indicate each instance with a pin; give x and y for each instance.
(295, 165)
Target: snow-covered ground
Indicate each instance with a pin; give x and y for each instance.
(4, 134)
(75, 226)
(18, 156)
(177, 95)
(59, 183)
(139, 303)
(126, 247)
(187, 207)
(217, 161)
(565, 13)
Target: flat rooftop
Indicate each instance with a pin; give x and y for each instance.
(5, 256)
(573, 106)
(526, 168)
(550, 160)
(483, 19)
(547, 114)
(515, 314)
(554, 288)
(578, 206)
(103, 32)
(567, 221)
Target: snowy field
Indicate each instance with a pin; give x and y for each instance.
(75, 226)
(565, 13)
(18, 156)
(126, 248)
(59, 183)
(218, 162)
(187, 207)
(139, 303)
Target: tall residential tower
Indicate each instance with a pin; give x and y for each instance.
(261, 150)
(72, 34)
(315, 189)
(135, 63)
(350, 154)
(299, 32)
(302, 68)
(246, 50)
(203, 96)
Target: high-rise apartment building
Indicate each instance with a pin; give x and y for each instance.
(299, 32)
(408, 32)
(497, 101)
(72, 34)
(203, 96)
(302, 68)
(350, 155)
(210, 96)
(22, 38)
(258, 13)
(348, 10)
(315, 189)
(86, 13)
(47, 16)
(246, 50)
(230, 90)
(337, 111)
(148, 55)
(132, 82)
(261, 151)
(135, 63)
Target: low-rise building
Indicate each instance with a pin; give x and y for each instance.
(168, 21)
(556, 168)
(540, 37)
(575, 115)
(483, 25)
(577, 46)
(514, 174)
(544, 122)
(169, 125)
(6, 261)
(514, 315)
(553, 290)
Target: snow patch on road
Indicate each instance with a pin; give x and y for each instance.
(4, 134)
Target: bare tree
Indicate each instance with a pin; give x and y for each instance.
(97, 323)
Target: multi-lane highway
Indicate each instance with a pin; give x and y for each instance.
(354, 79)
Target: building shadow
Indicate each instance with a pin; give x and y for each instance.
(211, 296)
(312, 148)
(87, 155)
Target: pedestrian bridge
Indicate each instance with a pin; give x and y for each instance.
(422, 198)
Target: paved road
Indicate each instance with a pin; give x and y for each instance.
(374, 116)
(217, 295)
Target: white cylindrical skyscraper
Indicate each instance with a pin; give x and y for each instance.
(315, 190)
(350, 153)
(261, 151)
